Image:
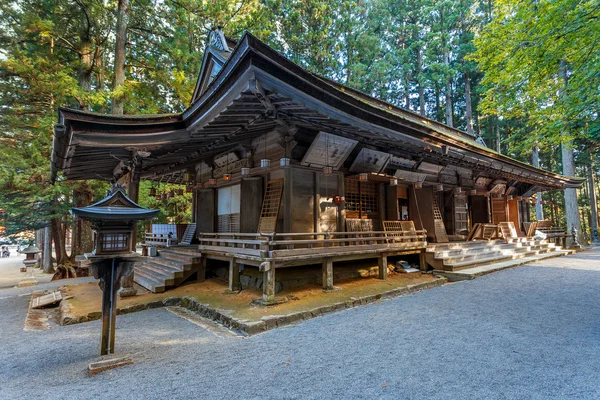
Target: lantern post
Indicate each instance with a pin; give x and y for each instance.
(113, 221)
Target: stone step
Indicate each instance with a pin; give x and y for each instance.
(149, 282)
(164, 269)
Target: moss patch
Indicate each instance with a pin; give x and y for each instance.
(86, 301)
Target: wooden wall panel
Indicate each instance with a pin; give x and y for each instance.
(205, 210)
(513, 213)
(420, 210)
(252, 195)
(302, 200)
(499, 210)
(327, 209)
(479, 210)
(391, 203)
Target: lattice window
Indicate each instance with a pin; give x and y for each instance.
(228, 223)
(361, 199)
(114, 241)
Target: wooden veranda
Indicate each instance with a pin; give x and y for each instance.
(270, 252)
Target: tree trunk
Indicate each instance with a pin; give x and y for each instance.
(498, 141)
(82, 231)
(120, 43)
(438, 107)
(449, 121)
(406, 93)
(535, 161)
(468, 106)
(59, 241)
(84, 74)
(571, 207)
(593, 199)
(419, 78)
(47, 251)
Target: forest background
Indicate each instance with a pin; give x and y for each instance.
(524, 76)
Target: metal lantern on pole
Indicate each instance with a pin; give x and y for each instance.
(113, 220)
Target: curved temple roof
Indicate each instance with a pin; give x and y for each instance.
(254, 86)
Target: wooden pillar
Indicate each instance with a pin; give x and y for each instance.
(422, 262)
(287, 200)
(202, 270)
(234, 275)
(269, 284)
(383, 267)
(391, 203)
(327, 270)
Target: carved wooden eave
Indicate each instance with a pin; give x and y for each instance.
(255, 89)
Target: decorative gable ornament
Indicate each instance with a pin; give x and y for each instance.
(216, 39)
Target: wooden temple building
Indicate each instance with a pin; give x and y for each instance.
(289, 168)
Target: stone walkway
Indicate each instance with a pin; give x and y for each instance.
(10, 276)
(529, 332)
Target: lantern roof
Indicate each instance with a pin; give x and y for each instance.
(116, 206)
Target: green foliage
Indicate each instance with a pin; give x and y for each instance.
(411, 53)
(542, 66)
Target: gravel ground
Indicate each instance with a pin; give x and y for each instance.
(530, 332)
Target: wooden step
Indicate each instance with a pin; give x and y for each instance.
(147, 281)
(180, 256)
(164, 269)
(158, 275)
(471, 250)
(168, 262)
(457, 266)
(472, 273)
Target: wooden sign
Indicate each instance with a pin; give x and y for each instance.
(328, 150)
(370, 161)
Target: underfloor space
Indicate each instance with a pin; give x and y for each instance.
(85, 303)
(301, 276)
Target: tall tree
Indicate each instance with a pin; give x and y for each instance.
(119, 68)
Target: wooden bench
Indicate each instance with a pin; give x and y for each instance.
(550, 232)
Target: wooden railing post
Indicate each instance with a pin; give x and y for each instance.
(327, 270)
